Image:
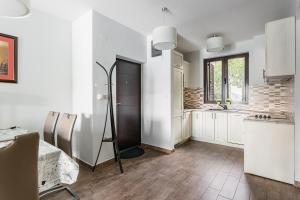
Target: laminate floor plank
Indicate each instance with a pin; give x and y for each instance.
(195, 171)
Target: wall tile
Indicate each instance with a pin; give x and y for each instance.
(273, 98)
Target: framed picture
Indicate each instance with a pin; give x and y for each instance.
(8, 58)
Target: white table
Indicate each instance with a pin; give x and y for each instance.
(54, 166)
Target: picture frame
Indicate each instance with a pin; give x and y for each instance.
(8, 58)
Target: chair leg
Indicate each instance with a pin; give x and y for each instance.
(58, 188)
(74, 195)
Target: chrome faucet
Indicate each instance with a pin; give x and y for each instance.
(224, 106)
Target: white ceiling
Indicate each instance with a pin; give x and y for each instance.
(237, 20)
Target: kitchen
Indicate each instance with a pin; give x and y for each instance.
(254, 113)
(190, 100)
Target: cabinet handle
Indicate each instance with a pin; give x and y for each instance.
(212, 115)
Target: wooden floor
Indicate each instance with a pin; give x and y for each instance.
(194, 171)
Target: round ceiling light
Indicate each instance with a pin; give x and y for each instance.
(14, 8)
(164, 38)
(215, 43)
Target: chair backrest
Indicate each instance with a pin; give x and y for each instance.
(49, 127)
(65, 131)
(19, 168)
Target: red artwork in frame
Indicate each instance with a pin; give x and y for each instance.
(8, 58)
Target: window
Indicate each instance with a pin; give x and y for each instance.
(226, 79)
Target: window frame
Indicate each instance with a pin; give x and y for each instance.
(225, 85)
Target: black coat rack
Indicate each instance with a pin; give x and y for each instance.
(109, 105)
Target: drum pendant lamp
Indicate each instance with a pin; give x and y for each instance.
(14, 8)
(164, 37)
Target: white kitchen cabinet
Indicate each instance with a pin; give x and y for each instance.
(177, 59)
(177, 129)
(280, 47)
(177, 92)
(177, 99)
(258, 60)
(236, 128)
(269, 150)
(221, 126)
(208, 126)
(186, 73)
(187, 122)
(197, 124)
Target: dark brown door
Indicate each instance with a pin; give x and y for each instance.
(128, 101)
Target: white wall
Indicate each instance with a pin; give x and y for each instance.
(195, 78)
(111, 40)
(82, 86)
(255, 47)
(297, 105)
(107, 40)
(157, 100)
(44, 71)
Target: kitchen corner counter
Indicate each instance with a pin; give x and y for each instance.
(218, 110)
(272, 120)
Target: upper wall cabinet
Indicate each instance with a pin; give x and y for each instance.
(280, 49)
(177, 59)
(258, 58)
(177, 92)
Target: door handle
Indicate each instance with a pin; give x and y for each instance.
(118, 103)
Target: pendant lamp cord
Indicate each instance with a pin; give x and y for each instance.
(164, 11)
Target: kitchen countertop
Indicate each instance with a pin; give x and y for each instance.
(218, 110)
(279, 120)
(272, 120)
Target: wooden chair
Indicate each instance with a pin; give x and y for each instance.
(49, 127)
(19, 168)
(65, 131)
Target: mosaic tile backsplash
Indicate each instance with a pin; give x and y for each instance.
(272, 98)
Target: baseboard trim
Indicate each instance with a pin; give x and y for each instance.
(159, 149)
(239, 146)
(182, 142)
(103, 164)
(297, 184)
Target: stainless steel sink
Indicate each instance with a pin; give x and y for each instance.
(222, 110)
(216, 109)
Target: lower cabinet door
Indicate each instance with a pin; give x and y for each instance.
(197, 124)
(236, 128)
(186, 125)
(177, 129)
(208, 126)
(189, 130)
(221, 127)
